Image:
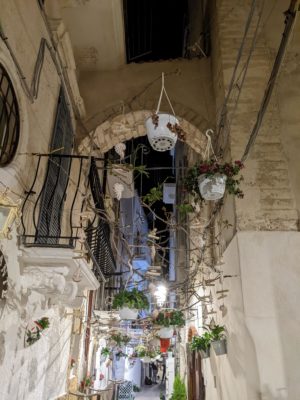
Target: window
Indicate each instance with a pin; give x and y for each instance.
(9, 119)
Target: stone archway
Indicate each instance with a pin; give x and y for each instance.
(131, 125)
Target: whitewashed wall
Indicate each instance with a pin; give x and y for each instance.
(262, 321)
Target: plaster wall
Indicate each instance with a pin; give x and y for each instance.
(261, 320)
(39, 371)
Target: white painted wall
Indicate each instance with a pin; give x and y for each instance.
(262, 321)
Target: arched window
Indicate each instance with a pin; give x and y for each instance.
(9, 119)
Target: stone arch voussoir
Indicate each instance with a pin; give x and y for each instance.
(124, 127)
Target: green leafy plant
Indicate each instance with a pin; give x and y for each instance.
(217, 333)
(210, 168)
(34, 335)
(179, 390)
(185, 208)
(120, 339)
(201, 342)
(170, 318)
(136, 388)
(105, 351)
(155, 194)
(133, 299)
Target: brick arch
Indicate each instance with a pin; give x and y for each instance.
(124, 127)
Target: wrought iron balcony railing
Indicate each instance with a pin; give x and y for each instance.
(51, 212)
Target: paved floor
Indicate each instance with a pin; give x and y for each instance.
(150, 392)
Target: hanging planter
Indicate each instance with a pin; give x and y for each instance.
(219, 346)
(128, 313)
(164, 345)
(202, 344)
(163, 129)
(212, 187)
(169, 320)
(166, 333)
(160, 137)
(209, 179)
(129, 302)
(218, 340)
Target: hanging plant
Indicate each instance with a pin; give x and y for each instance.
(163, 129)
(202, 344)
(170, 318)
(120, 339)
(105, 352)
(133, 299)
(210, 179)
(218, 340)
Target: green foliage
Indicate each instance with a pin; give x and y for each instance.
(210, 168)
(170, 318)
(131, 299)
(136, 388)
(179, 390)
(217, 333)
(155, 194)
(185, 208)
(105, 351)
(33, 336)
(201, 342)
(120, 339)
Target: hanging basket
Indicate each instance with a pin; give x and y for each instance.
(166, 333)
(128, 313)
(212, 187)
(164, 345)
(219, 347)
(205, 353)
(161, 138)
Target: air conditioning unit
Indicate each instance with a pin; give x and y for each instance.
(169, 193)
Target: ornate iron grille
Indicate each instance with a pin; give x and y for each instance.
(9, 119)
(98, 236)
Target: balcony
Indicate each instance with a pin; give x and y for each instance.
(54, 235)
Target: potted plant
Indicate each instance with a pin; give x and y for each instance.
(202, 344)
(120, 339)
(209, 179)
(105, 352)
(169, 320)
(179, 390)
(218, 340)
(33, 334)
(129, 303)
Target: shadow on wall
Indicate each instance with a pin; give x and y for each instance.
(267, 395)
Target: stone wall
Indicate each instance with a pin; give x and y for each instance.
(269, 202)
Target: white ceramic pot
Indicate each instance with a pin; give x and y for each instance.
(128, 313)
(166, 333)
(212, 187)
(160, 137)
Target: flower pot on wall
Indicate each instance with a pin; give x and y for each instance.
(212, 187)
(128, 313)
(160, 137)
(219, 346)
(166, 333)
(205, 353)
